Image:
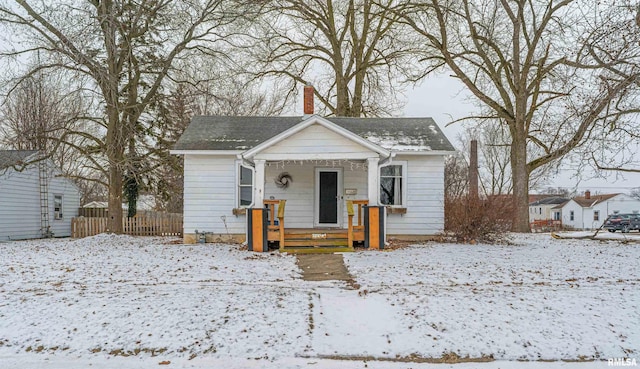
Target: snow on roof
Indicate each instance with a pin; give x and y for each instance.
(242, 133)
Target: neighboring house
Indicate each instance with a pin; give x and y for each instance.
(590, 211)
(36, 201)
(316, 164)
(98, 209)
(544, 209)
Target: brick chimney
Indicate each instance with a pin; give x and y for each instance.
(587, 195)
(308, 100)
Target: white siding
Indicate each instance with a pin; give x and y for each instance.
(577, 222)
(584, 216)
(20, 204)
(621, 204)
(315, 142)
(299, 194)
(425, 198)
(70, 204)
(300, 208)
(210, 195)
(546, 214)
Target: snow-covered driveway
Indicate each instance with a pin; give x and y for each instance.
(98, 299)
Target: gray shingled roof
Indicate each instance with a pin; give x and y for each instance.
(243, 133)
(9, 158)
(550, 201)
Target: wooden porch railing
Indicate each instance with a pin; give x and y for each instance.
(275, 232)
(355, 231)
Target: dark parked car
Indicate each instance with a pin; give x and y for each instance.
(622, 222)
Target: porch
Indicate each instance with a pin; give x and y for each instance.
(266, 230)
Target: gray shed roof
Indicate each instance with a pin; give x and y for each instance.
(243, 133)
(9, 158)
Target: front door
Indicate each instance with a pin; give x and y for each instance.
(328, 197)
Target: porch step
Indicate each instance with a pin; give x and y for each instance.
(311, 241)
(316, 239)
(339, 242)
(315, 250)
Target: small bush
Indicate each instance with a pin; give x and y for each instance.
(473, 219)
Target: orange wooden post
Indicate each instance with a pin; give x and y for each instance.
(374, 227)
(257, 230)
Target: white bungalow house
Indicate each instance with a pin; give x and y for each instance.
(544, 209)
(590, 211)
(317, 165)
(36, 201)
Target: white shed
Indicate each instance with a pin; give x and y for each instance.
(36, 201)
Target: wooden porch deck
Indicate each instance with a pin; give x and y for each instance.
(314, 240)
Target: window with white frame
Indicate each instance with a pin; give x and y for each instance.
(596, 215)
(556, 215)
(392, 184)
(571, 216)
(245, 186)
(57, 207)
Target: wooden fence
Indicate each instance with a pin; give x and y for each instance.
(546, 225)
(164, 224)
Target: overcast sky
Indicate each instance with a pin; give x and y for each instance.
(444, 99)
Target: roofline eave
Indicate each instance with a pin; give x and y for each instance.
(206, 152)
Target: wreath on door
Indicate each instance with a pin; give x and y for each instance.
(283, 180)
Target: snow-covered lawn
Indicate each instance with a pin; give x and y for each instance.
(118, 301)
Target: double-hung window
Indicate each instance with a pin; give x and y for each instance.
(393, 184)
(57, 207)
(245, 186)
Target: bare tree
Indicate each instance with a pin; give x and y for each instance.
(456, 176)
(39, 114)
(127, 48)
(204, 91)
(350, 50)
(523, 61)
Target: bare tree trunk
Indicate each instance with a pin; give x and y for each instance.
(115, 199)
(520, 175)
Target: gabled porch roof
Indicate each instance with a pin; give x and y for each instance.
(365, 148)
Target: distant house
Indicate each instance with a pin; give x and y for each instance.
(98, 209)
(36, 201)
(318, 166)
(590, 211)
(546, 209)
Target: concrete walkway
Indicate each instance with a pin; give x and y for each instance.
(323, 267)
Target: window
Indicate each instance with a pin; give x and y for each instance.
(540, 210)
(245, 186)
(57, 207)
(571, 215)
(596, 215)
(556, 215)
(392, 182)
